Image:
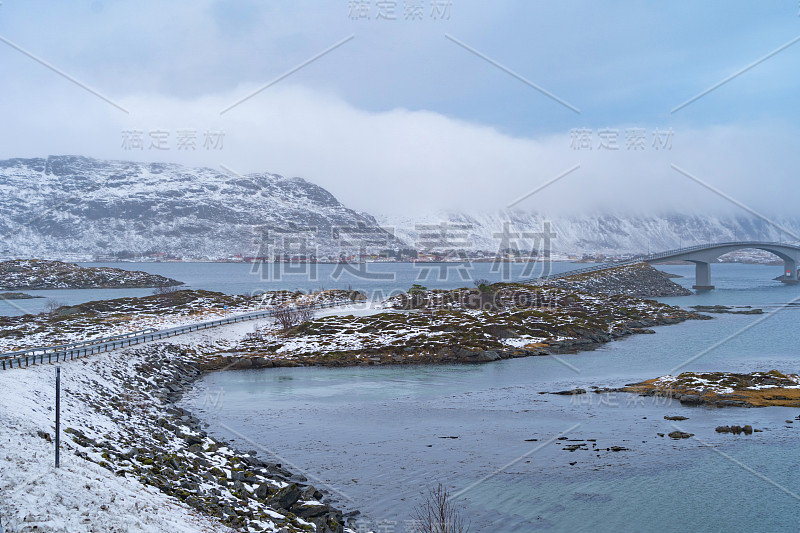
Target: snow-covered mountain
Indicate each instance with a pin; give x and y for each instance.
(70, 206)
(606, 234)
(76, 207)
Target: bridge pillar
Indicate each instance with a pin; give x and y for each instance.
(702, 276)
(789, 271)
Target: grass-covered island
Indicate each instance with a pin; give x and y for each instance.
(32, 274)
(487, 323)
(725, 389)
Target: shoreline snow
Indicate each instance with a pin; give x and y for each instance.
(118, 416)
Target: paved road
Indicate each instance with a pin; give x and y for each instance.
(66, 352)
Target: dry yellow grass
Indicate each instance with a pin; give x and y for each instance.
(712, 387)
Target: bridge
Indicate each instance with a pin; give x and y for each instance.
(702, 256)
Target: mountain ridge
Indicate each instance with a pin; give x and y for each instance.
(81, 208)
(66, 205)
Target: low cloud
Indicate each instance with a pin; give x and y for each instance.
(403, 161)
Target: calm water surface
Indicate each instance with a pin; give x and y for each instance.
(373, 437)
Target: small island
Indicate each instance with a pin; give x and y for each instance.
(436, 326)
(17, 296)
(725, 389)
(35, 274)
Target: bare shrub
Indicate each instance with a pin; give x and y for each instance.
(438, 513)
(288, 316)
(165, 290)
(305, 314)
(51, 306)
(482, 284)
(168, 293)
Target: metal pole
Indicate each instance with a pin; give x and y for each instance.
(58, 413)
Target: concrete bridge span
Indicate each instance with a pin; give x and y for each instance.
(705, 254)
(702, 256)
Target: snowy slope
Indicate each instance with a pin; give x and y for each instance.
(607, 234)
(80, 496)
(61, 205)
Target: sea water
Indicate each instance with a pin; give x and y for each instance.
(377, 439)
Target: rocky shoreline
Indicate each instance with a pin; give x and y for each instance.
(167, 448)
(640, 280)
(422, 326)
(585, 340)
(129, 423)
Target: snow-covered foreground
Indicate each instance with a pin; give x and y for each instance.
(108, 399)
(80, 495)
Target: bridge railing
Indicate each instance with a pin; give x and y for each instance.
(66, 352)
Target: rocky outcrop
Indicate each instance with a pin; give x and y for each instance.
(33, 274)
(724, 389)
(641, 280)
(167, 448)
(494, 322)
(17, 296)
(724, 309)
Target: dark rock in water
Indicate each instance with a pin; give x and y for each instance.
(680, 435)
(483, 357)
(592, 497)
(732, 403)
(572, 392)
(678, 417)
(736, 430)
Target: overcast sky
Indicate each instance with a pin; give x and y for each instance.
(466, 104)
